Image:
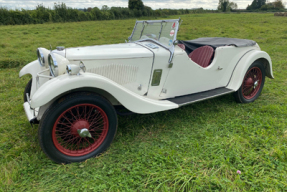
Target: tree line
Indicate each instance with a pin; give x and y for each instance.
(61, 13)
(256, 5)
(265, 6)
(226, 5)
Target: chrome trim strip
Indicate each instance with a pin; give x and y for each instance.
(237, 64)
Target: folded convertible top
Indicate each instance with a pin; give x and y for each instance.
(221, 41)
(216, 42)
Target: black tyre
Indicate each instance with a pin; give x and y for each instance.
(77, 127)
(27, 90)
(252, 84)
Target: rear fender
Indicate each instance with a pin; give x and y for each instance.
(69, 83)
(243, 65)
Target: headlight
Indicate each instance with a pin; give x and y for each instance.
(57, 64)
(42, 55)
(53, 65)
(75, 69)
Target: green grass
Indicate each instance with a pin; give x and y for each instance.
(199, 147)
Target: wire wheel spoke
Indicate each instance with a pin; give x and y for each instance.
(89, 117)
(251, 83)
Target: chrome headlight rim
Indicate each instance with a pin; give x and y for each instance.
(41, 57)
(69, 69)
(73, 69)
(82, 66)
(53, 65)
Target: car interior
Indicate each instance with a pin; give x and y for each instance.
(201, 50)
(202, 56)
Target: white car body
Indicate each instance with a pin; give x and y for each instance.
(123, 74)
(76, 98)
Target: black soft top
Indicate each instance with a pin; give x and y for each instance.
(215, 42)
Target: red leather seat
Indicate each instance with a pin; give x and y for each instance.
(202, 56)
(181, 46)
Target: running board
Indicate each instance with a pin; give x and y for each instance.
(196, 97)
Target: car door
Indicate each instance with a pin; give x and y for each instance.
(187, 77)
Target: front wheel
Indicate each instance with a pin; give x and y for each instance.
(77, 127)
(252, 84)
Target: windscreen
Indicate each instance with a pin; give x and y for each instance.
(163, 31)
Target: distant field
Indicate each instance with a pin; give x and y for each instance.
(195, 148)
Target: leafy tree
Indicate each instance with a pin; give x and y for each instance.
(278, 4)
(257, 4)
(262, 5)
(105, 8)
(60, 12)
(232, 5)
(136, 4)
(248, 7)
(96, 13)
(225, 5)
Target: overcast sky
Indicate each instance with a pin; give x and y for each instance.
(155, 4)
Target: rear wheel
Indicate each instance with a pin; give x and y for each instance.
(27, 90)
(77, 127)
(252, 84)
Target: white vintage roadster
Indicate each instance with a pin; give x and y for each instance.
(74, 92)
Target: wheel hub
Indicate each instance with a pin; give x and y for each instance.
(79, 125)
(256, 83)
(252, 83)
(79, 131)
(249, 81)
(84, 133)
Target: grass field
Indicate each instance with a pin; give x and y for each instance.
(195, 148)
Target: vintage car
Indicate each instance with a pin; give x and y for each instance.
(74, 93)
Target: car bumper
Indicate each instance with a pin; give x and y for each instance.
(30, 113)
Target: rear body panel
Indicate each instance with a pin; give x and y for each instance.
(187, 77)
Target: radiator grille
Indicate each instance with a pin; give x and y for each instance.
(121, 74)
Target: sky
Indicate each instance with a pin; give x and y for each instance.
(172, 4)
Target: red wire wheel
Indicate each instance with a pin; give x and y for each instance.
(252, 83)
(65, 134)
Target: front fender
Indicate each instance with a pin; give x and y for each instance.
(129, 99)
(243, 65)
(32, 68)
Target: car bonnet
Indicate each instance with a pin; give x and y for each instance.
(114, 51)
